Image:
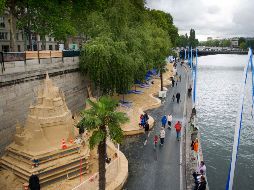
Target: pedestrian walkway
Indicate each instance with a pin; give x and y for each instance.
(158, 168)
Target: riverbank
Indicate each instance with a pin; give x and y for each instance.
(160, 164)
(191, 164)
(142, 102)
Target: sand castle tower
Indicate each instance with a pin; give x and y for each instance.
(38, 146)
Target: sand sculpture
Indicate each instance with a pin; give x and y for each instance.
(45, 145)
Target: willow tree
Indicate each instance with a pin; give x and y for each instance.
(164, 21)
(163, 33)
(104, 122)
(108, 64)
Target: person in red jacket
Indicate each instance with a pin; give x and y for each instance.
(178, 127)
(155, 140)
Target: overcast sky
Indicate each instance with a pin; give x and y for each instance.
(215, 18)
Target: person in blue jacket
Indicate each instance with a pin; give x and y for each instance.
(164, 121)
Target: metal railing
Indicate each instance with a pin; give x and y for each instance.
(92, 183)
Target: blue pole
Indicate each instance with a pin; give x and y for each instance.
(238, 126)
(191, 58)
(188, 56)
(195, 79)
(252, 70)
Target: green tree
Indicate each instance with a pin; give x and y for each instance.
(243, 45)
(165, 22)
(226, 43)
(97, 25)
(2, 5)
(125, 41)
(49, 17)
(182, 41)
(241, 39)
(192, 38)
(108, 64)
(216, 43)
(12, 9)
(250, 43)
(104, 122)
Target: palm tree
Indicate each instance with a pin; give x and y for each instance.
(103, 121)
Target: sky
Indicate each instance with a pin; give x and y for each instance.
(210, 18)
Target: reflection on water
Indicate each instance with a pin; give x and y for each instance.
(218, 87)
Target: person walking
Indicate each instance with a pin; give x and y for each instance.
(189, 91)
(146, 130)
(162, 136)
(146, 117)
(173, 98)
(155, 140)
(34, 182)
(142, 121)
(178, 128)
(178, 95)
(164, 121)
(173, 82)
(180, 78)
(170, 118)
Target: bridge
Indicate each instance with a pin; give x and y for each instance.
(214, 52)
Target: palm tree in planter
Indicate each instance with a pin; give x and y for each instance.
(103, 121)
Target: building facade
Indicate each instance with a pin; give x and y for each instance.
(22, 40)
(235, 42)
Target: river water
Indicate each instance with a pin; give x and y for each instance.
(218, 92)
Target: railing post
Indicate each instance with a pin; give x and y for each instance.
(73, 56)
(2, 62)
(25, 57)
(62, 57)
(50, 57)
(39, 56)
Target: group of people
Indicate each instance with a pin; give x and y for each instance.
(176, 79)
(167, 120)
(144, 123)
(177, 97)
(199, 177)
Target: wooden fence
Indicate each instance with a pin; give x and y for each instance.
(43, 54)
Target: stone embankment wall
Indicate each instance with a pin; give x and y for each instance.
(20, 81)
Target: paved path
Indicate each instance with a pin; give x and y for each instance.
(151, 169)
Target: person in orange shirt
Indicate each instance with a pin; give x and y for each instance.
(195, 148)
(178, 128)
